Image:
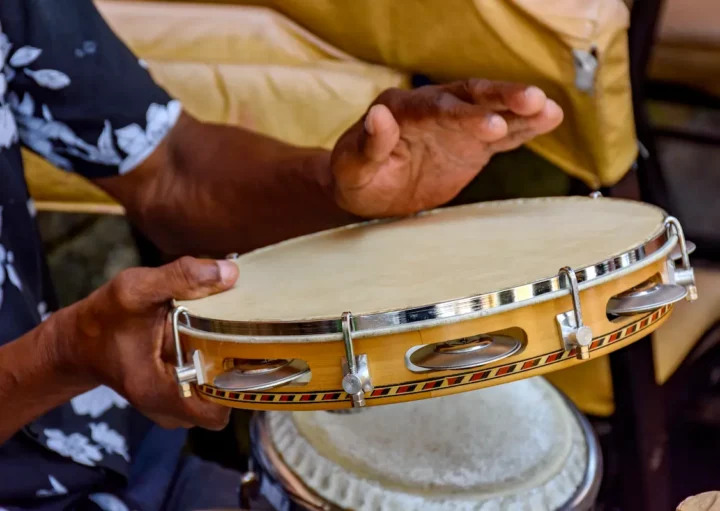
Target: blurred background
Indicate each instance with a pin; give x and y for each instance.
(640, 85)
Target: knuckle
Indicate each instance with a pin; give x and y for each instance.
(123, 288)
(477, 85)
(219, 420)
(442, 102)
(391, 97)
(167, 423)
(193, 275)
(171, 422)
(428, 104)
(208, 415)
(133, 385)
(183, 272)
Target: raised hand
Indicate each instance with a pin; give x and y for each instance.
(417, 149)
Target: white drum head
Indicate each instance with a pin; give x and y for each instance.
(443, 255)
(514, 446)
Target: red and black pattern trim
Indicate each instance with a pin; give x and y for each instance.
(474, 376)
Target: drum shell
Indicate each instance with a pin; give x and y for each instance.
(536, 325)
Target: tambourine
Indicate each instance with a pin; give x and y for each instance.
(446, 301)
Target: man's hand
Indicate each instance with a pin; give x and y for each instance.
(119, 336)
(216, 189)
(417, 149)
(124, 339)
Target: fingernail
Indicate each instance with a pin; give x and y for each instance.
(496, 122)
(228, 270)
(552, 107)
(534, 92)
(368, 125)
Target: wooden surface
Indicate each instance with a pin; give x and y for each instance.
(386, 354)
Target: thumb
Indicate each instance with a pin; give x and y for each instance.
(381, 134)
(185, 279)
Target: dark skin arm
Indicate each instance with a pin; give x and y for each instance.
(119, 336)
(212, 189)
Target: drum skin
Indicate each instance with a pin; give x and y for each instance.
(517, 446)
(542, 352)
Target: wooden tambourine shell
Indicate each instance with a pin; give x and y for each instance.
(621, 265)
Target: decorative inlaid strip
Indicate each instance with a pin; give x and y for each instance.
(417, 387)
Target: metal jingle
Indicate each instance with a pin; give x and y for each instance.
(645, 300)
(474, 352)
(239, 381)
(467, 345)
(258, 366)
(676, 252)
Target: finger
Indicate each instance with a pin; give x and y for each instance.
(380, 135)
(185, 279)
(471, 120)
(167, 421)
(167, 348)
(501, 96)
(207, 415)
(513, 141)
(545, 121)
(194, 410)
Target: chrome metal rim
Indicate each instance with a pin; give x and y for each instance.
(373, 324)
(270, 463)
(586, 494)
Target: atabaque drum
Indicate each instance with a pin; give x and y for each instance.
(520, 446)
(446, 301)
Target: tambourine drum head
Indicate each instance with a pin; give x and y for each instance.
(433, 257)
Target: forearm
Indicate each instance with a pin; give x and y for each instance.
(34, 378)
(213, 189)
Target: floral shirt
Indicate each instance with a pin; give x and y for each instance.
(73, 93)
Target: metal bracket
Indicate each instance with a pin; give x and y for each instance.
(356, 380)
(574, 333)
(586, 64)
(185, 374)
(676, 253)
(683, 275)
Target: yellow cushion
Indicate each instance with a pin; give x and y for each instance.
(527, 41)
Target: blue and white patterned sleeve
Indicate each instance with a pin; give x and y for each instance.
(81, 99)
